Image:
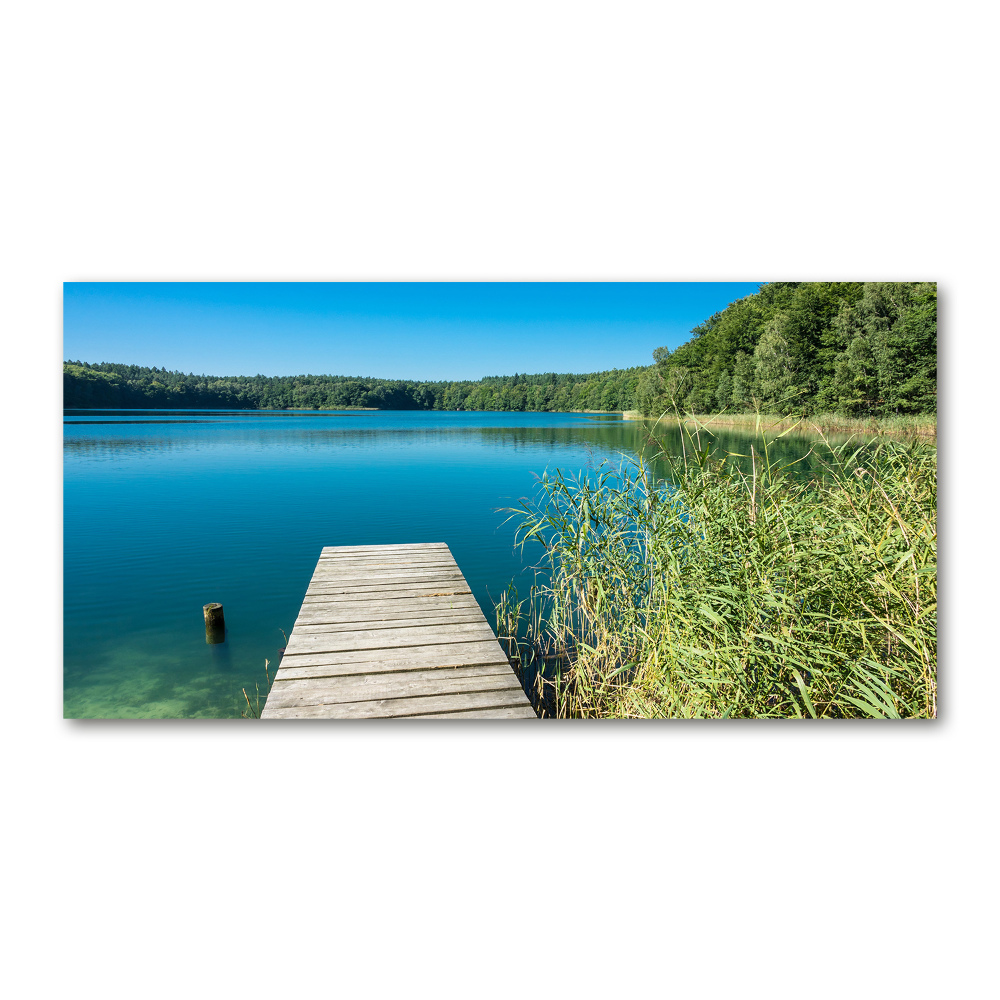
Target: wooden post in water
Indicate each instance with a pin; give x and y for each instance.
(215, 624)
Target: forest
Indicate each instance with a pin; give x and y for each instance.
(109, 385)
(856, 348)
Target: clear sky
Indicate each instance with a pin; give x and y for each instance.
(432, 330)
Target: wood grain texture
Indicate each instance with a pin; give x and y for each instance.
(371, 667)
(389, 562)
(517, 712)
(372, 687)
(428, 635)
(389, 591)
(386, 610)
(361, 578)
(401, 708)
(393, 631)
(306, 628)
(347, 602)
(379, 549)
(455, 654)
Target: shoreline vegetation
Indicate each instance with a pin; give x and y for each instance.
(922, 425)
(718, 593)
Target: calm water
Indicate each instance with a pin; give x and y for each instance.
(168, 510)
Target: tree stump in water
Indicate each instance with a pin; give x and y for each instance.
(215, 624)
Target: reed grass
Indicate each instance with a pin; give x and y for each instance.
(920, 425)
(725, 593)
(255, 707)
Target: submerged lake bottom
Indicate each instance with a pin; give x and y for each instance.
(166, 511)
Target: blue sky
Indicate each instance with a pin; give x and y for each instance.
(425, 330)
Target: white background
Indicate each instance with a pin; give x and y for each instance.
(718, 141)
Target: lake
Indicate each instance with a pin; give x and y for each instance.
(166, 511)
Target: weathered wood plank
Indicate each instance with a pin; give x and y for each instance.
(361, 569)
(372, 687)
(443, 581)
(380, 549)
(354, 551)
(429, 588)
(386, 638)
(321, 613)
(362, 579)
(401, 708)
(373, 667)
(441, 569)
(378, 610)
(343, 628)
(397, 594)
(383, 638)
(394, 600)
(394, 554)
(517, 712)
(426, 559)
(387, 558)
(324, 574)
(374, 614)
(455, 654)
(380, 668)
(355, 668)
(380, 552)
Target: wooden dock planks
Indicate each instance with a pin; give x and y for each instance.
(392, 632)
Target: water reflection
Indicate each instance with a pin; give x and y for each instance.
(77, 423)
(124, 416)
(105, 447)
(802, 452)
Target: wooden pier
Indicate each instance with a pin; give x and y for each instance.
(392, 632)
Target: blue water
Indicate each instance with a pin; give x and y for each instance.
(166, 511)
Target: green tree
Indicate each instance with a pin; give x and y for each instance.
(855, 382)
(775, 370)
(724, 391)
(745, 391)
(677, 385)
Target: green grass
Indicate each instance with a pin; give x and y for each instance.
(726, 594)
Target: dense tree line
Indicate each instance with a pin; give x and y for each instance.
(805, 347)
(110, 385)
(792, 347)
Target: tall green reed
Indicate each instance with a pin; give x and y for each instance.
(728, 591)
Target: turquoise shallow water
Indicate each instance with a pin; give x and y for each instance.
(168, 510)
